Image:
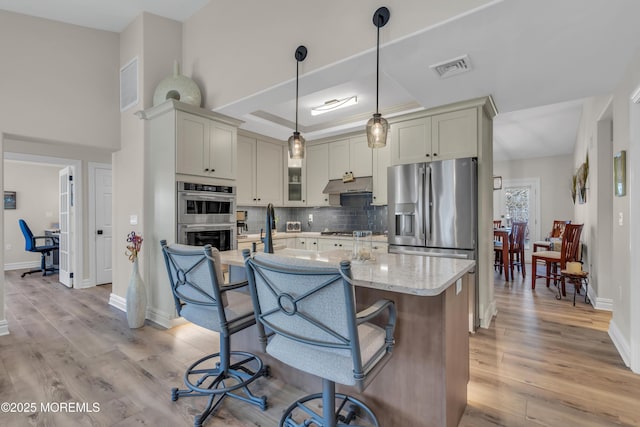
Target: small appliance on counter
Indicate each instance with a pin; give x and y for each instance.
(293, 227)
(241, 222)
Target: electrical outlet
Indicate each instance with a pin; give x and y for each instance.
(310, 217)
(133, 219)
(620, 219)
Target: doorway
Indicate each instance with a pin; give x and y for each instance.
(519, 201)
(100, 222)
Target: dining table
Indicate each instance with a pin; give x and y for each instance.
(502, 234)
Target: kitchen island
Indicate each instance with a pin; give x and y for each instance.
(425, 382)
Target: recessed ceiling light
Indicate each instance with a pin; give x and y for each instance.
(334, 104)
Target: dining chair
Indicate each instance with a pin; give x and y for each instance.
(497, 223)
(516, 247)
(556, 261)
(556, 232)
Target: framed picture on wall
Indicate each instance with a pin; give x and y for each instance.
(619, 173)
(497, 183)
(9, 199)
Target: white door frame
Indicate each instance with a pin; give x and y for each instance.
(534, 183)
(633, 190)
(92, 166)
(78, 236)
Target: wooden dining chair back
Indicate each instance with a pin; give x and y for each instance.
(516, 247)
(558, 228)
(556, 261)
(497, 223)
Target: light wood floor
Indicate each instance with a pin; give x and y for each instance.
(542, 362)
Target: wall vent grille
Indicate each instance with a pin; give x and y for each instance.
(452, 67)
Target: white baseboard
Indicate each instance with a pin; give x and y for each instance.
(487, 316)
(83, 284)
(118, 302)
(605, 304)
(620, 342)
(21, 265)
(4, 327)
(162, 318)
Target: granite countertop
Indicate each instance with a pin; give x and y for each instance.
(407, 274)
(312, 234)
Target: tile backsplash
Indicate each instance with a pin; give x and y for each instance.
(356, 213)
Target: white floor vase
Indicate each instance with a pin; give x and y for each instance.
(136, 299)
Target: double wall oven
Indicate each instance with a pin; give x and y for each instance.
(207, 215)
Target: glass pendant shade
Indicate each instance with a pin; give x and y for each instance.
(377, 128)
(296, 146)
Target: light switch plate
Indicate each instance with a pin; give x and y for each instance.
(133, 219)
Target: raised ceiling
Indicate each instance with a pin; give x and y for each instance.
(537, 59)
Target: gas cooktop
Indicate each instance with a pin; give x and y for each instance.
(346, 233)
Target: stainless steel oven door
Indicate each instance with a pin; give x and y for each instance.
(206, 208)
(221, 236)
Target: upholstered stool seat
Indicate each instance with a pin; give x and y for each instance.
(310, 308)
(201, 297)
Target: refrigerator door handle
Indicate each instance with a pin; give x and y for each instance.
(428, 205)
(423, 226)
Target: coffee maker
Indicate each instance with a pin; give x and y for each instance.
(241, 222)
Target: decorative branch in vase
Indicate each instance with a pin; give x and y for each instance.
(136, 291)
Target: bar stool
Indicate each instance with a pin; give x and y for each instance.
(310, 307)
(201, 297)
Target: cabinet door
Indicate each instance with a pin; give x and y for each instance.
(222, 153)
(411, 141)
(317, 174)
(192, 150)
(338, 158)
(295, 181)
(269, 169)
(455, 134)
(327, 245)
(246, 177)
(360, 156)
(381, 161)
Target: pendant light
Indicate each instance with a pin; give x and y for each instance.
(296, 141)
(377, 126)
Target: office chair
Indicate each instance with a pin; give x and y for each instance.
(30, 245)
(201, 297)
(309, 309)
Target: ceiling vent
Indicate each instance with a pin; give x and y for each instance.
(452, 67)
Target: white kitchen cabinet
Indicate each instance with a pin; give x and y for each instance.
(308, 243)
(333, 244)
(350, 155)
(456, 134)
(381, 161)
(450, 135)
(317, 168)
(411, 141)
(291, 242)
(260, 172)
(295, 181)
(205, 147)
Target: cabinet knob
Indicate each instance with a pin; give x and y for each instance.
(206, 170)
(303, 200)
(213, 170)
(435, 154)
(325, 200)
(340, 244)
(427, 155)
(259, 199)
(314, 243)
(335, 244)
(254, 199)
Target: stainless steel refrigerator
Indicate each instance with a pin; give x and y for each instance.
(433, 210)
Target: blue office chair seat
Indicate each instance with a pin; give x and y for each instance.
(30, 245)
(201, 297)
(309, 309)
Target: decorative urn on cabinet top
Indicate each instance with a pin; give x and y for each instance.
(178, 87)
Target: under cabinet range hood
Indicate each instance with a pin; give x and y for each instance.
(363, 184)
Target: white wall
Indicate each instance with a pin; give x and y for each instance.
(555, 184)
(36, 187)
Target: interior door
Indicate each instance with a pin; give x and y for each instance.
(519, 201)
(103, 236)
(66, 211)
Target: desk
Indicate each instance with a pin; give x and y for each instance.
(503, 235)
(51, 260)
